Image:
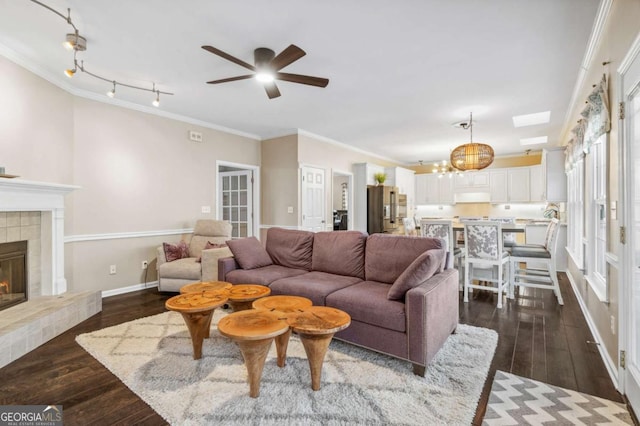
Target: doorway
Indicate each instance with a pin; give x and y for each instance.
(629, 365)
(342, 205)
(237, 199)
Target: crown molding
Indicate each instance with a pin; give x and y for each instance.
(594, 40)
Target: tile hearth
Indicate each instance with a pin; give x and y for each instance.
(26, 326)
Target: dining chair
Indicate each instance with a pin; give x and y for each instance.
(409, 226)
(539, 253)
(460, 234)
(485, 250)
(443, 229)
(508, 238)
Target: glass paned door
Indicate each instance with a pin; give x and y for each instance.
(236, 189)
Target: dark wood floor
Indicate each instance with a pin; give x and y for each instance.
(538, 339)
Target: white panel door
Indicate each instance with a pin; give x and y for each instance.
(631, 260)
(235, 205)
(313, 199)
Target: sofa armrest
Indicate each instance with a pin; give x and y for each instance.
(226, 265)
(161, 257)
(209, 261)
(432, 315)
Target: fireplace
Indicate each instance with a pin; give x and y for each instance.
(13, 273)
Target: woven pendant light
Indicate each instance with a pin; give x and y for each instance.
(472, 155)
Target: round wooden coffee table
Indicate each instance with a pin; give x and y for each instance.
(197, 310)
(205, 286)
(316, 326)
(284, 304)
(253, 330)
(241, 296)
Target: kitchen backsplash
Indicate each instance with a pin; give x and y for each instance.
(519, 211)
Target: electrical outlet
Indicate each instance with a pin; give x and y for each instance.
(145, 264)
(195, 136)
(507, 207)
(290, 209)
(112, 269)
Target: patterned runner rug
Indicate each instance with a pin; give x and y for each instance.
(515, 400)
(153, 357)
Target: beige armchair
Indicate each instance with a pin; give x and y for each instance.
(173, 275)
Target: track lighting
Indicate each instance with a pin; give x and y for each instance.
(112, 93)
(74, 41)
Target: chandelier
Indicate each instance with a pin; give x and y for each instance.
(472, 155)
(443, 168)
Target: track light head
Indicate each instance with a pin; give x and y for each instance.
(70, 72)
(74, 41)
(112, 93)
(156, 102)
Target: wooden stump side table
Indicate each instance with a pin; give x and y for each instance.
(197, 310)
(205, 286)
(285, 304)
(241, 296)
(316, 326)
(253, 330)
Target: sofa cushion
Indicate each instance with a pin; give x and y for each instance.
(340, 253)
(263, 276)
(290, 247)
(387, 256)
(367, 302)
(199, 243)
(209, 246)
(420, 270)
(249, 253)
(174, 252)
(313, 285)
(186, 269)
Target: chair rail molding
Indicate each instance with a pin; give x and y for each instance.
(121, 235)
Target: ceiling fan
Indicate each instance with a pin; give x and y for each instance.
(267, 68)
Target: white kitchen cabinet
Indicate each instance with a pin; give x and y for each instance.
(471, 181)
(445, 193)
(554, 175)
(498, 186)
(536, 184)
(518, 184)
(431, 189)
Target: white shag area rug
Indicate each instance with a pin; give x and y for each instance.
(153, 357)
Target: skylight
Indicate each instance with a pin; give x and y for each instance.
(534, 141)
(531, 119)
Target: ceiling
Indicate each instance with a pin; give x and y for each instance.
(401, 72)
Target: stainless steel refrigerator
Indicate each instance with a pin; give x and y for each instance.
(383, 209)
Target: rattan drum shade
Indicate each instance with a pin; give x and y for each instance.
(472, 156)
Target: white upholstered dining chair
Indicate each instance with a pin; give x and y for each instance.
(443, 229)
(484, 249)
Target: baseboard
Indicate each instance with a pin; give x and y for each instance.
(129, 289)
(612, 369)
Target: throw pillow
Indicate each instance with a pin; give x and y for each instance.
(175, 251)
(422, 268)
(249, 253)
(208, 246)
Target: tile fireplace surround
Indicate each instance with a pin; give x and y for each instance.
(34, 211)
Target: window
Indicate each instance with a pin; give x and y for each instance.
(596, 194)
(575, 212)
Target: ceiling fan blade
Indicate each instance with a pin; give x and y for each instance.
(225, 80)
(229, 57)
(302, 79)
(272, 90)
(286, 57)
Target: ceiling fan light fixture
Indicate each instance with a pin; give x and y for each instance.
(265, 76)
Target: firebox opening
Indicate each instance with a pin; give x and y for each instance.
(13, 273)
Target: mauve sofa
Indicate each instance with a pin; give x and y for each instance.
(400, 299)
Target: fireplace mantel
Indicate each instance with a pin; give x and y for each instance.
(48, 198)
